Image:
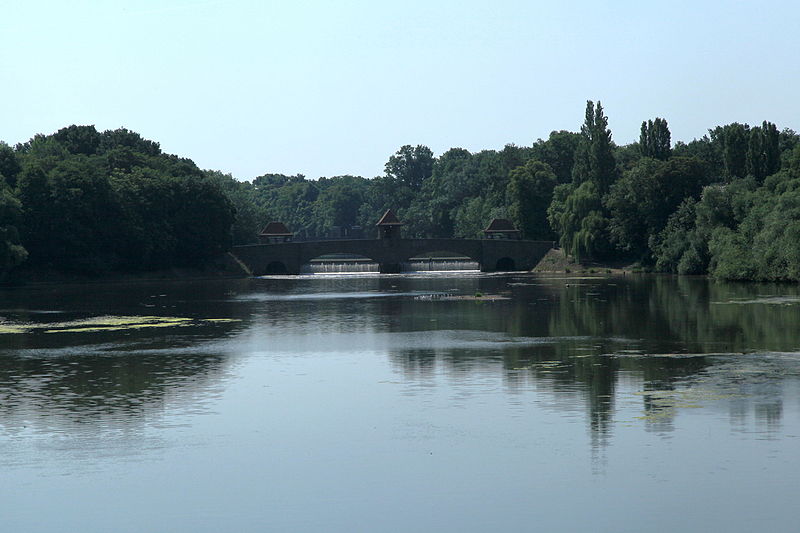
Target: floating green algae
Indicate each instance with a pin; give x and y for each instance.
(666, 403)
(109, 323)
(767, 300)
(9, 328)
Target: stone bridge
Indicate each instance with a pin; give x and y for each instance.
(491, 254)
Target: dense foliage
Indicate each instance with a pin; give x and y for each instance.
(727, 204)
(88, 202)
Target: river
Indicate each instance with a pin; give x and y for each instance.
(437, 402)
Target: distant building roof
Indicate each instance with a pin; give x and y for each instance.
(389, 219)
(500, 225)
(277, 229)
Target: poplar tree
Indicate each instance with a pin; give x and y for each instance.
(655, 139)
(772, 151)
(734, 149)
(577, 212)
(604, 166)
(756, 158)
(763, 152)
(594, 158)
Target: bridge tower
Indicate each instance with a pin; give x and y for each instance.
(389, 226)
(389, 232)
(275, 232)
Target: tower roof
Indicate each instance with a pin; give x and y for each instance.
(502, 225)
(389, 219)
(277, 229)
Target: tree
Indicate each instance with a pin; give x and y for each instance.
(12, 253)
(412, 166)
(293, 204)
(9, 164)
(594, 158)
(755, 164)
(382, 193)
(763, 155)
(94, 202)
(454, 179)
(734, 148)
(470, 218)
(641, 202)
(771, 143)
(577, 212)
(79, 139)
(654, 139)
(558, 151)
(201, 217)
(631, 202)
(707, 150)
(339, 201)
(70, 219)
(530, 191)
(249, 220)
(124, 138)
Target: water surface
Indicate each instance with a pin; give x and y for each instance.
(401, 403)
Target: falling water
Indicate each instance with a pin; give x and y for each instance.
(438, 264)
(435, 264)
(340, 266)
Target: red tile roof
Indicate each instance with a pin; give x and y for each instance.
(500, 225)
(276, 229)
(389, 219)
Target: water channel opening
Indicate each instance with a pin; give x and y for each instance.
(441, 261)
(276, 267)
(505, 264)
(340, 263)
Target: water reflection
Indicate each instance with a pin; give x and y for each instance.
(403, 402)
(641, 349)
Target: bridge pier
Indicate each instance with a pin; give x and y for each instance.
(389, 268)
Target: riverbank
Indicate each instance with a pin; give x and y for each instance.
(225, 266)
(556, 261)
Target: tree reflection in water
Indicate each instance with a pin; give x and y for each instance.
(589, 342)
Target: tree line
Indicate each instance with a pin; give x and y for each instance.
(726, 204)
(82, 201)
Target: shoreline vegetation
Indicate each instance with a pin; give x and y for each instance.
(222, 267)
(83, 205)
(228, 267)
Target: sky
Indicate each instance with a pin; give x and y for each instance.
(333, 88)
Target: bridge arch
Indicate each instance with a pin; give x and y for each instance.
(505, 264)
(276, 267)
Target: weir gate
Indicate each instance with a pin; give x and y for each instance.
(492, 255)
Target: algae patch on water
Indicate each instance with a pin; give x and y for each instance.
(10, 328)
(110, 323)
(765, 300)
(664, 404)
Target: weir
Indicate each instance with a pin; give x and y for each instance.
(392, 255)
(366, 266)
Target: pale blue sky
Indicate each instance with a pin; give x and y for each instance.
(331, 88)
